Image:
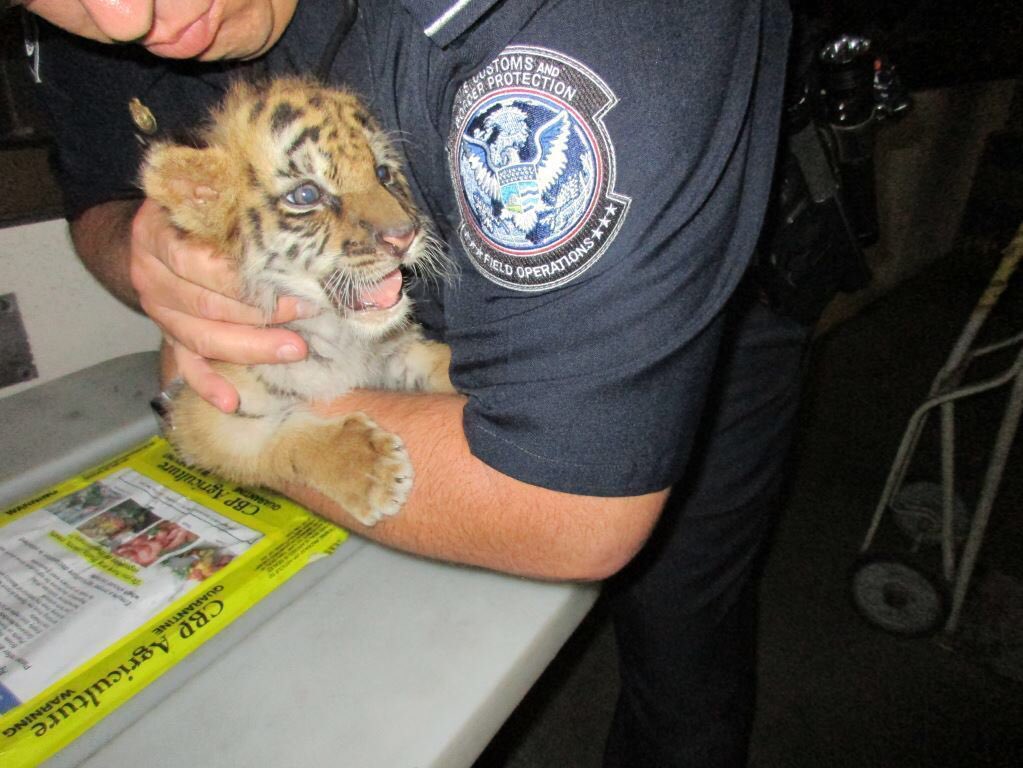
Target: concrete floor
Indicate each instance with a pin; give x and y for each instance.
(835, 691)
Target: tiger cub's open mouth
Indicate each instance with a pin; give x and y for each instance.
(381, 295)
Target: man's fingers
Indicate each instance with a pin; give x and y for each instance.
(163, 289)
(156, 285)
(290, 308)
(200, 263)
(153, 236)
(229, 341)
(209, 385)
(160, 252)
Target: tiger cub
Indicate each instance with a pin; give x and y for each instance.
(299, 187)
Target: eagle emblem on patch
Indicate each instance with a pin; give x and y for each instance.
(534, 169)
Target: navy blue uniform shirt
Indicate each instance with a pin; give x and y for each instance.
(599, 170)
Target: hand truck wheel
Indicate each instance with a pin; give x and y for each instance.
(898, 597)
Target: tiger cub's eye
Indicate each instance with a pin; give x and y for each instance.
(304, 195)
(384, 174)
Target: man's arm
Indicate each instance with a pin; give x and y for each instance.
(101, 236)
(461, 510)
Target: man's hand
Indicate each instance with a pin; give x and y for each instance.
(189, 291)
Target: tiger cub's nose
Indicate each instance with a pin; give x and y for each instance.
(398, 239)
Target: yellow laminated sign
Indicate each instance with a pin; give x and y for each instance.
(109, 578)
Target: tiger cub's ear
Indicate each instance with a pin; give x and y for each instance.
(194, 185)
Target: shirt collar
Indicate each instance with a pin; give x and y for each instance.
(445, 20)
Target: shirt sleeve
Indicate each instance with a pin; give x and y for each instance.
(611, 173)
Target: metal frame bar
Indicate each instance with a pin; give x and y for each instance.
(945, 390)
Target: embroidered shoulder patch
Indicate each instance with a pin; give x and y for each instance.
(534, 169)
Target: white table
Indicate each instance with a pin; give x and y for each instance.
(369, 658)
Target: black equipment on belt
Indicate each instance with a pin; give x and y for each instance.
(824, 209)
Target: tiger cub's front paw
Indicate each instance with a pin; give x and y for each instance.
(389, 477)
(371, 476)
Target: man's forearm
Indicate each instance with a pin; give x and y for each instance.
(102, 239)
(461, 510)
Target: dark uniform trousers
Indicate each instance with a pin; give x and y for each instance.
(684, 611)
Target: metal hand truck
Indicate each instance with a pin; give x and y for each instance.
(890, 591)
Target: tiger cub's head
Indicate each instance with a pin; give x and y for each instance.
(299, 185)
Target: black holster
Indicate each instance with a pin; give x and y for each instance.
(809, 250)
